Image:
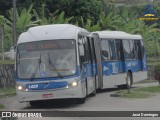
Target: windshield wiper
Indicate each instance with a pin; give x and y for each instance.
(51, 63)
(39, 63)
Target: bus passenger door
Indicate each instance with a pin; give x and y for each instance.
(93, 60)
(138, 53)
(85, 65)
(120, 56)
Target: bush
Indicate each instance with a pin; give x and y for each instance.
(157, 73)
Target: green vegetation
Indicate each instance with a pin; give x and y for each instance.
(151, 61)
(7, 62)
(138, 92)
(155, 89)
(133, 94)
(93, 15)
(7, 92)
(146, 81)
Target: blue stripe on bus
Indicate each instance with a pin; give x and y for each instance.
(43, 86)
(115, 67)
(88, 70)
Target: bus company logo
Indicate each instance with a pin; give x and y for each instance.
(6, 114)
(149, 14)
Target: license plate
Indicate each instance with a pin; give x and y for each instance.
(47, 95)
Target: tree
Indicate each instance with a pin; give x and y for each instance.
(89, 26)
(88, 9)
(23, 22)
(7, 33)
(24, 19)
(53, 18)
(4, 6)
(109, 21)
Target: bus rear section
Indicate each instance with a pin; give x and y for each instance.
(48, 64)
(123, 58)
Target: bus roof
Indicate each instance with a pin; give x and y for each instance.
(117, 35)
(50, 32)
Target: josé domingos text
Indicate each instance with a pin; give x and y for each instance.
(144, 115)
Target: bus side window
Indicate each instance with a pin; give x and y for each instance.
(142, 48)
(89, 50)
(86, 49)
(105, 50)
(112, 49)
(127, 49)
(92, 49)
(87, 54)
(119, 48)
(131, 44)
(138, 49)
(81, 45)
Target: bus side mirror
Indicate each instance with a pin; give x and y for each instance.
(81, 50)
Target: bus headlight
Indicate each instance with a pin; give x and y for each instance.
(73, 84)
(21, 88)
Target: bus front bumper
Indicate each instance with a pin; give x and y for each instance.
(25, 96)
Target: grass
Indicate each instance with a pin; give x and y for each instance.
(138, 92)
(146, 81)
(153, 89)
(7, 92)
(132, 94)
(7, 62)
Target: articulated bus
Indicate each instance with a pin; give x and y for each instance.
(64, 61)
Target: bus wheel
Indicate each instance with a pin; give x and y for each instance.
(81, 100)
(129, 80)
(34, 103)
(93, 93)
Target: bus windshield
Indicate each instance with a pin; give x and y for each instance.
(43, 59)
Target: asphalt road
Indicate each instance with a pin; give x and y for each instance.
(101, 102)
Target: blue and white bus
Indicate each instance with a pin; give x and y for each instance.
(122, 59)
(65, 61)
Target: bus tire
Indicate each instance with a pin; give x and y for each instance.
(81, 100)
(93, 93)
(34, 103)
(129, 79)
